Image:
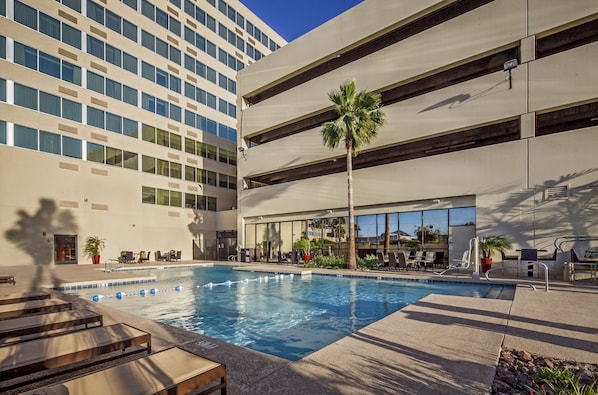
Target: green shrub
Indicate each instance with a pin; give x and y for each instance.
(563, 382)
(330, 262)
(368, 262)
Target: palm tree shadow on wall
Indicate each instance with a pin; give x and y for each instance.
(576, 213)
(196, 229)
(33, 235)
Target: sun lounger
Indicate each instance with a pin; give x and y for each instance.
(19, 329)
(58, 351)
(172, 371)
(33, 307)
(8, 280)
(23, 297)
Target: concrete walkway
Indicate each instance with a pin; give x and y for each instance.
(441, 344)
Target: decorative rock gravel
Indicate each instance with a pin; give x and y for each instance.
(516, 371)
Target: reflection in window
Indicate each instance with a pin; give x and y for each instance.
(148, 195)
(95, 152)
(148, 164)
(130, 160)
(71, 147)
(462, 216)
(49, 142)
(162, 197)
(25, 137)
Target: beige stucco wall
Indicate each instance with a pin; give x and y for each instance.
(506, 182)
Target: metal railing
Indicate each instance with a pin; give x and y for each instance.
(560, 241)
(527, 263)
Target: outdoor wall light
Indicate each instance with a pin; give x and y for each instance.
(508, 66)
(260, 218)
(329, 211)
(436, 201)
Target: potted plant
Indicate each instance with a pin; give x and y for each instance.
(489, 245)
(93, 246)
(304, 246)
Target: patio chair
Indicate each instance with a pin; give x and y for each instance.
(33, 307)
(7, 280)
(38, 325)
(392, 261)
(23, 297)
(401, 261)
(178, 256)
(129, 257)
(382, 264)
(57, 351)
(457, 264)
(170, 371)
(428, 260)
(415, 261)
(159, 256)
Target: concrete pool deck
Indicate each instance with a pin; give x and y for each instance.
(441, 344)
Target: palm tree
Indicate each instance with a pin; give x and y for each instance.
(359, 118)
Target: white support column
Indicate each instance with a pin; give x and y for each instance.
(476, 254)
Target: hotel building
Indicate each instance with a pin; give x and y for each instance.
(491, 128)
(118, 119)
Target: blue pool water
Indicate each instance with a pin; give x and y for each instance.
(287, 316)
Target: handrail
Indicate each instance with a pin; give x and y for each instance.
(528, 263)
(559, 241)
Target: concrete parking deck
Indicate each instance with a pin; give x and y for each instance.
(441, 344)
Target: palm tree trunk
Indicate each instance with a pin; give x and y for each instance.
(351, 262)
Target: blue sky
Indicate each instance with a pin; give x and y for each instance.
(293, 18)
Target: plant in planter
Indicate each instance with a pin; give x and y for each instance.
(303, 245)
(93, 247)
(489, 245)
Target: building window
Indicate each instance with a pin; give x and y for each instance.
(148, 164)
(49, 142)
(95, 152)
(148, 195)
(25, 137)
(71, 147)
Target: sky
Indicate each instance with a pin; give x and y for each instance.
(294, 18)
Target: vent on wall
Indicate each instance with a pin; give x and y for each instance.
(556, 193)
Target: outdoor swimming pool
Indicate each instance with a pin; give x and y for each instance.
(287, 316)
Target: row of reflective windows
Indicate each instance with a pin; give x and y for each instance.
(165, 197)
(53, 143)
(236, 17)
(415, 229)
(61, 107)
(120, 25)
(50, 65)
(28, 16)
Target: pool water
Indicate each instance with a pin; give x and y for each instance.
(282, 315)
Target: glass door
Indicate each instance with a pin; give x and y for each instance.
(65, 248)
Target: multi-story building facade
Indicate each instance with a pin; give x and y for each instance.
(491, 128)
(118, 120)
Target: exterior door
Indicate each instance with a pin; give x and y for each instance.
(65, 249)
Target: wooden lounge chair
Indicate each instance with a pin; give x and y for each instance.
(32, 326)
(33, 307)
(23, 297)
(172, 371)
(8, 280)
(58, 351)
